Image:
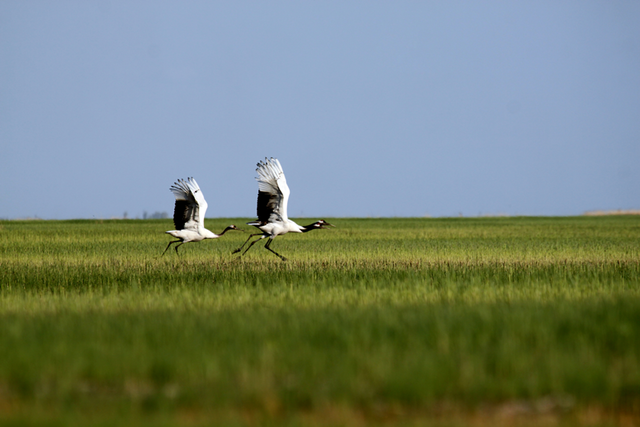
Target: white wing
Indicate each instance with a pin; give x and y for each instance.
(273, 192)
(202, 203)
(190, 207)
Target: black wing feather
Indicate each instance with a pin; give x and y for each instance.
(267, 203)
(181, 213)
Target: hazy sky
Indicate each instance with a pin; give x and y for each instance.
(374, 108)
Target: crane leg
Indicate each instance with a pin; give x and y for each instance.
(252, 243)
(240, 248)
(266, 246)
(170, 243)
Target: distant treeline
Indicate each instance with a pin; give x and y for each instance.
(155, 215)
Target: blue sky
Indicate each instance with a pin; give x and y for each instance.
(374, 108)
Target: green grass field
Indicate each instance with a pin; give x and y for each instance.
(458, 321)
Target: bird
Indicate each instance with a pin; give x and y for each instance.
(188, 215)
(273, 195)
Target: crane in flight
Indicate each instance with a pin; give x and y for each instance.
(273, 195)
(188, 215)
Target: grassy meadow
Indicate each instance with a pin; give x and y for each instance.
(401, 321)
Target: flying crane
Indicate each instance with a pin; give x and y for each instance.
(188, 215)
(273, 195)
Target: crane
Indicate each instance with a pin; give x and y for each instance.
(188, 214)
(273, 195)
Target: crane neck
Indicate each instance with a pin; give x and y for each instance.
(307, 228)
(226, 229)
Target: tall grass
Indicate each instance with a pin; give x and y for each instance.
(376, 317)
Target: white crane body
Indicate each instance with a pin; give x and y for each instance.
(188, 236)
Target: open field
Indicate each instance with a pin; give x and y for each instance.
(459, 321)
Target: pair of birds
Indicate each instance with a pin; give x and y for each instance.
(273, 195)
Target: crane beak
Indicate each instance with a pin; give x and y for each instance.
(326, 225)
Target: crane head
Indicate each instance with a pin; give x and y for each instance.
(320, 224)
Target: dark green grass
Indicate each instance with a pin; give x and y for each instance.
(375, 321)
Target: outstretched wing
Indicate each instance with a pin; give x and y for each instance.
(273, 192)
(191, 207)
